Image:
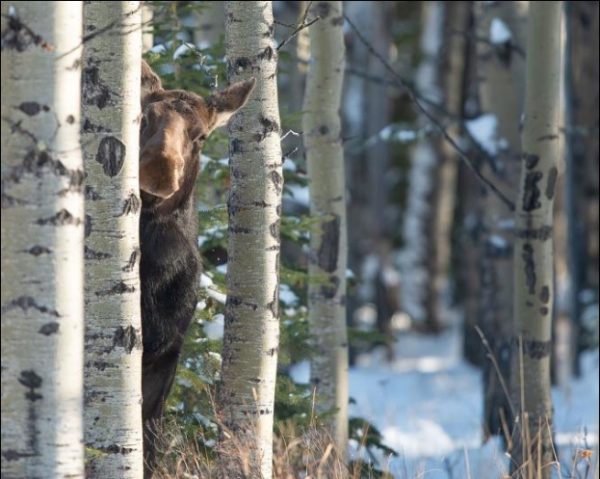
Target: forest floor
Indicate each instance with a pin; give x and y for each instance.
(428, 406)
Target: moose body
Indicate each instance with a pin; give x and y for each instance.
(174, 126)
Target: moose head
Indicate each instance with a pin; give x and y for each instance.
(174, 126)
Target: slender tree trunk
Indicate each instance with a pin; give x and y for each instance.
(501, 75)
(582, 161)
(147, 27)
(415, 274)
(328, 244)
(533, 278)
(456, 18)
(42, 241)
(251, 338)
(111, 113)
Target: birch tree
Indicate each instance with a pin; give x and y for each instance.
(501, 81)
(42, 241)
(415, 273)
(251, 338)
(582, 177)
(533, 279)
(110, 133)
(328, 242)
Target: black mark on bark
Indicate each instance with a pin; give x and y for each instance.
(531, 161)
(111, 155)
(18, 36)
(31, 381)
(63, 217)
(116, 449)
(327, 255)
(277, 180)
(87, 226)
(94, 91)
(545, 294)
(131, 205)
(126, 338)
(551, 182)
(547, 137)
(30, 108)
(118, 288)
(37, 250)
(26, 302)
(89, 253)
(531, 194)
(274, 229)
(535, 349)
(49, 328)
(530, 276)
(128, 268)
(91, 194)
(89, 127)
(542, 233)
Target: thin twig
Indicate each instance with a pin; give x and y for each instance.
(415, 99)
(299, 27)
(492, 357)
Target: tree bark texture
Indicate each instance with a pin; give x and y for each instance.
(113, 333)
(251, 340)
(321, 125)
(501, 82)
(583, 158)
(42, 241)
(533, 271)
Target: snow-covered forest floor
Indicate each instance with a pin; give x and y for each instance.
(428, 406)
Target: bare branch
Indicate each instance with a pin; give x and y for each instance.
(413, 95)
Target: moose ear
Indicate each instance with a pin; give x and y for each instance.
(150, 81)
(226, 102)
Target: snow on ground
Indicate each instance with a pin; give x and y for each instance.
(428, 406)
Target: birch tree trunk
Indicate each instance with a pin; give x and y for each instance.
(501, 75)
(321, 125)
(456, 18)
(533, 279)
(582, 73)
(251, 339)
(147, 27)
(42, 241)
(110, 133)
(415, 273)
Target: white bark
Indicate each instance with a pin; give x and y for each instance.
(533, 278)
(415, 274)
(328, 244)
(251, 338)
(147, 27)
(113, 356)
(42, 241)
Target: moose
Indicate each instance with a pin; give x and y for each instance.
(173, 129)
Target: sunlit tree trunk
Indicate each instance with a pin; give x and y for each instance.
(501, 81)
(533, 278)
(42, 241)
(147, 26)
(328, 244)
(110, 134)
(251, 340)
